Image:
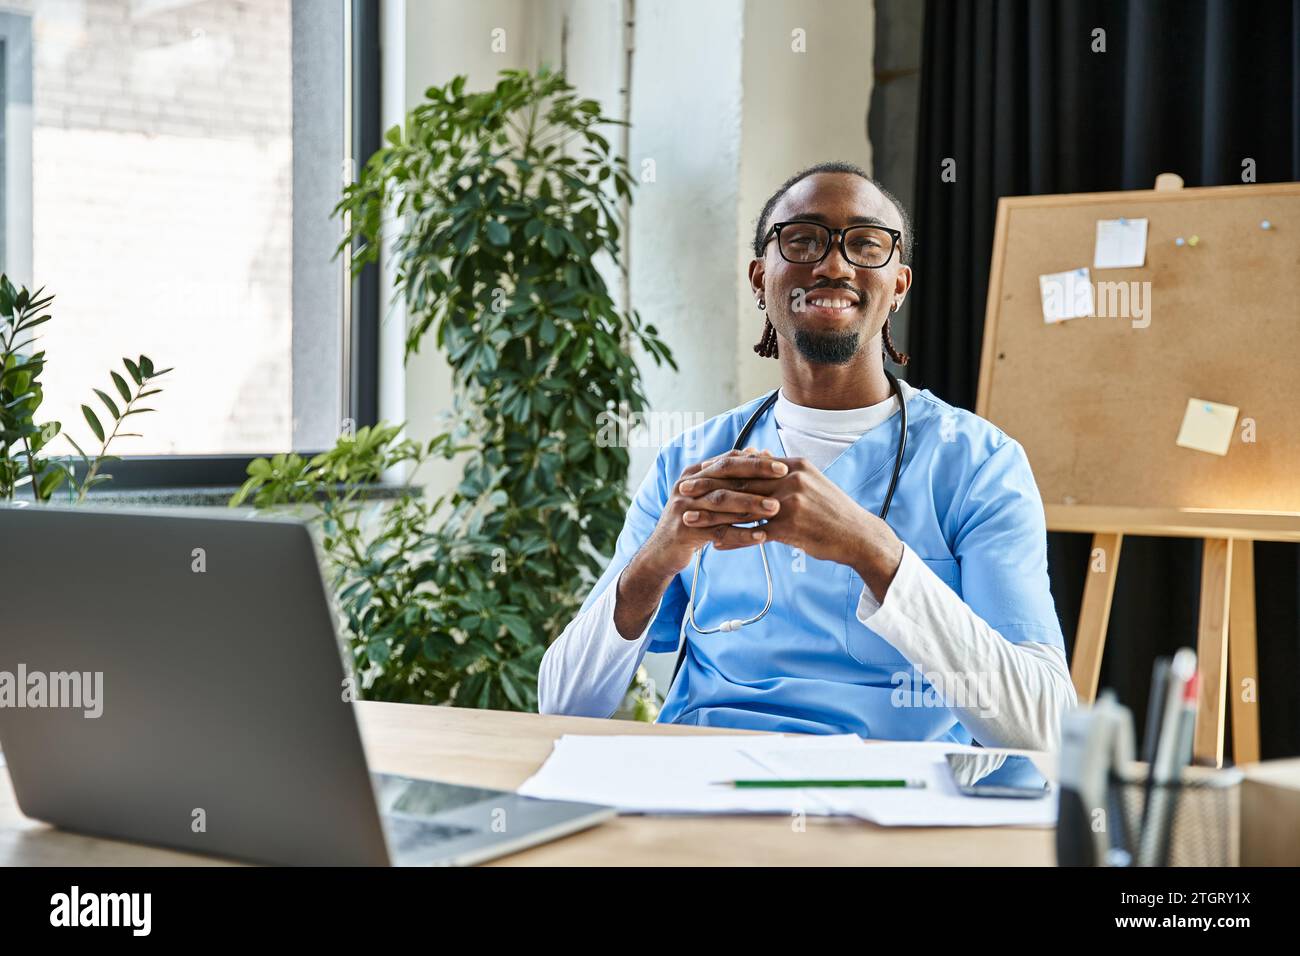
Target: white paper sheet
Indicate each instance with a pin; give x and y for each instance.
(1066, 295)
(1121, 244)
(674, 775)
(670, 774)
(939, 804)
(1208, 426)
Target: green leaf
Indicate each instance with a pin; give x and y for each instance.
(581, 353)
(134, 370)
(513, 693)
(109, 404)
(240, 496)
(26, 324)
(72, 441)
(122, 389)
(93, 422)
(553, 240)
(50, 481)
(518, 627)
(465, 238)
(498, 233)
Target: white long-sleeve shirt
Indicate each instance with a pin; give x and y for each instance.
(1015, 697)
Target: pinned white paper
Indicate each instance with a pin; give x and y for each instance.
(1066, 295)
(1121, 244)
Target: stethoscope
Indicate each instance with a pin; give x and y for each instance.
(735, 625)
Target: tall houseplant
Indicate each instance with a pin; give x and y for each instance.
(504, 197)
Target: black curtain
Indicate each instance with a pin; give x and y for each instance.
(1013, 91)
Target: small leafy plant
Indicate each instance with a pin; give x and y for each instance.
(23, 439)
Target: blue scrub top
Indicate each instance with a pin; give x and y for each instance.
(966, 503)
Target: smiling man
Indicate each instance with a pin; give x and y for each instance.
(934, 623)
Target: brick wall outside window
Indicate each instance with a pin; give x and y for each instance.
(162, 212)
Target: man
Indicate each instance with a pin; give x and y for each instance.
(937, 625)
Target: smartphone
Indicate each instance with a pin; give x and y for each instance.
(995, 774)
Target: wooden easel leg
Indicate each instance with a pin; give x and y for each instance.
(1243, 667)
(1090, 638)
(1212, 650)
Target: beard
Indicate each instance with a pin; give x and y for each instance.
(826, 348)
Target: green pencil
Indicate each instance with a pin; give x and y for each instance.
(790, 784)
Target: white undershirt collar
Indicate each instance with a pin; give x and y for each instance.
(833, 424)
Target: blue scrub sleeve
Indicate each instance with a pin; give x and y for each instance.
(1001, 545)
(642, 517)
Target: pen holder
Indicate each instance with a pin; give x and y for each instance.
(1206, 826)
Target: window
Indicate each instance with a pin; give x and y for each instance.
(185, 156)
(15, 142)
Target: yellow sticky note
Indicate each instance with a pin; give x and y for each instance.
(1207, 426)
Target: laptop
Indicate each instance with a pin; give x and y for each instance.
(178, 680)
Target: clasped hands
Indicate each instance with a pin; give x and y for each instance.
(798, 504)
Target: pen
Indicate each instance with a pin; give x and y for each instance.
(1159, 676)
(1186, 735)
(787, 784)
(1160, 679)
(1165, 770)
(1187, 729)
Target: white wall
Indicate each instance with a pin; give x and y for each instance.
(799, 109)
(687, 122)
(728, 109)
(439, 40)
(428, 43)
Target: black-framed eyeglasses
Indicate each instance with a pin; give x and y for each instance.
(803, 242)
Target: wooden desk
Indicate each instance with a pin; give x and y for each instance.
(501, 750)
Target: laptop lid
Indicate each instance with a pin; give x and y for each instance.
(178, 680)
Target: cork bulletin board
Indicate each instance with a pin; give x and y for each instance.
(1097, 402)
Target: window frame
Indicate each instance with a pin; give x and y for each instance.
(16, 117)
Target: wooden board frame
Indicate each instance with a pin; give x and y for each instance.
(1225, 639)
(1097, 403)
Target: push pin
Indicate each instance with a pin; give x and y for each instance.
(1192, 241)
(1123, 221)
(1180, 241)
(1265, 224)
